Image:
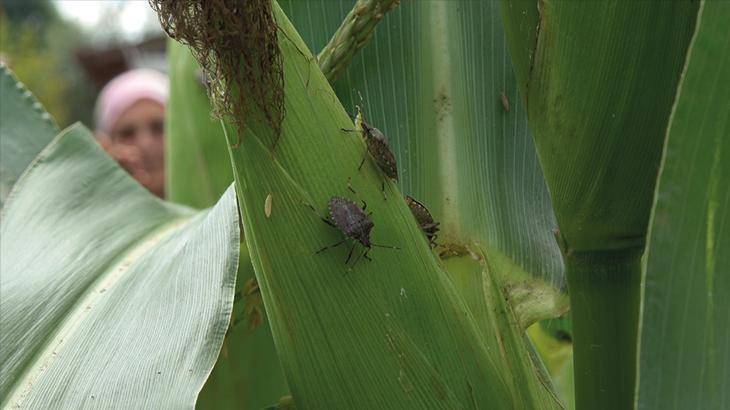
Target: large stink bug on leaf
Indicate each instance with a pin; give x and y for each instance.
(349, 218)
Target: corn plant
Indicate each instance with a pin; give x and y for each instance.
(573, 154)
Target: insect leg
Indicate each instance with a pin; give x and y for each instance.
(349, 255)
(325, 220)
(358, 258)
(382, 189)
(431, 240)
(331, 246)
(363, 161)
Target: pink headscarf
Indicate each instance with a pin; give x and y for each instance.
(125, 90)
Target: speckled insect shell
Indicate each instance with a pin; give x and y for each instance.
(419, 211)
(350, 219)
(424, 219)
(380, 150)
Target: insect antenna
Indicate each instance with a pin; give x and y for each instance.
(365, 254)
(325, 220)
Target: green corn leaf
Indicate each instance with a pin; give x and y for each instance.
(25, 128)
(525, 235)
(589, 116)
(497, 203)
(599, 79)
(431, 79)
(107, 303)
(195, 152)
(247, 374)
(684, 351)
(386, 333)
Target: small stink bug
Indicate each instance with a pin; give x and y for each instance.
(429, 227)
(378, 149)
(253, 308)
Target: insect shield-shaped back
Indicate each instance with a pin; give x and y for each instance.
(429, 227)
(380, 150)
(348, 218)
(351, 219)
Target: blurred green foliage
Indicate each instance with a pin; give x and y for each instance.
(37, 44)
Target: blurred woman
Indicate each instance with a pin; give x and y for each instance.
(130, 121)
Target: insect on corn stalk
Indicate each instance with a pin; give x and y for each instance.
(378, 149)
(429, 227)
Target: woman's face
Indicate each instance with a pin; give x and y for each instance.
(142, 126)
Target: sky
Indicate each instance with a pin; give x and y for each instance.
(134, 16)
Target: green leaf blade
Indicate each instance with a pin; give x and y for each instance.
(195, 147)
(392, 332)
(247, 374)
(25, 128)
(498, 195)
(127, 311)
(479, 176)
(601, 89)
(684, 355)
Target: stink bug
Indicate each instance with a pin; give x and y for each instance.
(253, 309)
(378, 148)
(350, 219)
(424, 219)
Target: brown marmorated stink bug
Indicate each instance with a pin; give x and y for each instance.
(429, 227)
(350, 219)
(253, 309)
(378, 149)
